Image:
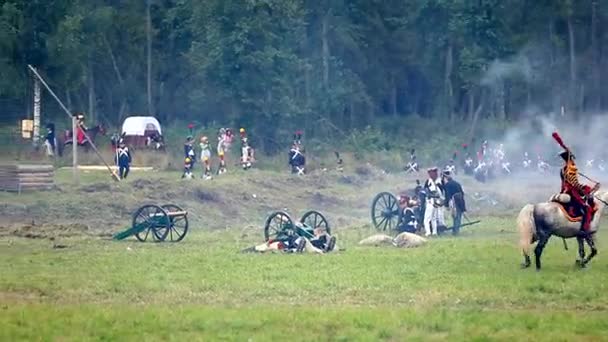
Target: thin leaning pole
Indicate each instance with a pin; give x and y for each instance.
(112, 173)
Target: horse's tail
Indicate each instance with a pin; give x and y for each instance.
(527, 228)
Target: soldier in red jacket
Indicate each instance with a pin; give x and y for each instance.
(580, 194)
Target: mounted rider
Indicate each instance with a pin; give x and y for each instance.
(81, 128)
(580, 194)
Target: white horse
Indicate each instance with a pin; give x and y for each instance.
(538, 222)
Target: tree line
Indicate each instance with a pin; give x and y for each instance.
(323, 65)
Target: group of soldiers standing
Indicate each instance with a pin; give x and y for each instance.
(488, 162)
(427, 205)
(224, 142)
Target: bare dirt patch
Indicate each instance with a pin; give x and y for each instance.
(48, 231)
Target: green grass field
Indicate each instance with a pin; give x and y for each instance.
(466, 288)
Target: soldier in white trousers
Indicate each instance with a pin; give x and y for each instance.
(433, 214)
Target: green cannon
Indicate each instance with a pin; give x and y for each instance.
(158, 223)
(279, 225)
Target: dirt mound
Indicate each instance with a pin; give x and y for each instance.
(48, 231)
(142, 183)
(320, 200)
(206, 196)
(96, 187)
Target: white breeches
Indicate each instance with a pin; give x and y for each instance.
(433, 217)
(49, 149)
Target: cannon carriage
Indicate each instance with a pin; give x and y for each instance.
(279, 225)
(167, 222)
(387, 214)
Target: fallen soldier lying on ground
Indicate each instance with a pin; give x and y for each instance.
(403, 240)
(321, 243)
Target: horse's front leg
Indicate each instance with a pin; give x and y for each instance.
(591, 242)
(581, 252)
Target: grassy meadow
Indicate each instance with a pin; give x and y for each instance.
(63, 279)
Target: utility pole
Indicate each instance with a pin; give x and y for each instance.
(37, 102)
(74, 130)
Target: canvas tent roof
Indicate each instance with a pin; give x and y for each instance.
(137, 125)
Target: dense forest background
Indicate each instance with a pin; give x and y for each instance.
(329, 67)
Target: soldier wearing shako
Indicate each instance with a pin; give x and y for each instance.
(247, 152)
(412, 166)
(123, 160)
(223, 141)
(435, 198)
(297, 160)
(206, 157)
(189, 149)
(580, 194)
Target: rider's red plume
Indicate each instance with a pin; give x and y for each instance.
(559, 140)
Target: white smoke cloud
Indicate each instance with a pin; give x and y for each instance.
(517, 66)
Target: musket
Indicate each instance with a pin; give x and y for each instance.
(465, 224)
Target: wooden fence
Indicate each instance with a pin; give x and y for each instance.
(20, 178)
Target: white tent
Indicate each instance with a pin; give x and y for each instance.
(138, 125)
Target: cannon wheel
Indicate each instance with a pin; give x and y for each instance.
(277, 223)
(154, 219)
(178, 224)
(385, 211)
(315, 219)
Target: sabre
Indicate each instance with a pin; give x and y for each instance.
(561, 143)
(588, 178)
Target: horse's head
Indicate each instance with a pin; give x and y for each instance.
(602, 197)
(101, 129)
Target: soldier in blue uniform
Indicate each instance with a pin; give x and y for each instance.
(50, 141)
(123, 159)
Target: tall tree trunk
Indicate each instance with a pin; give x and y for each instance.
(528, 94)
(573, 86)
(124, 107)
(149, 57)
(557, 84)
(91, 91)
(476, 115)
(325, 48)
(471, 106)
(500, 111)
(595, 55)
(393, 97)
(448, 91)
(68, 100)
(114, 63)
(307, 103)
